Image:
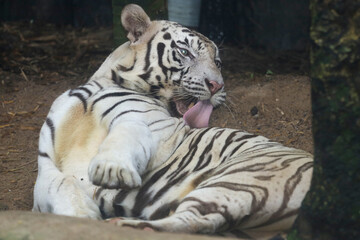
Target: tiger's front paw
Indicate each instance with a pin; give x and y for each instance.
(113, 173)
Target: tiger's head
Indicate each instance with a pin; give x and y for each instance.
(177, 65)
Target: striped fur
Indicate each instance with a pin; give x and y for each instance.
(114, 148)
(221, 181)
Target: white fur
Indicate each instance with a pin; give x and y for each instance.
(102, 134)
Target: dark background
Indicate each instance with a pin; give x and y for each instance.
(266, 24)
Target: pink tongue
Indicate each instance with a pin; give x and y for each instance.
(198, 116)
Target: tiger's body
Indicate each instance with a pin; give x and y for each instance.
(113, 147)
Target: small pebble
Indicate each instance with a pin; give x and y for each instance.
(254, 111)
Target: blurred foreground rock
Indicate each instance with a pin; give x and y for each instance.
(28, 225)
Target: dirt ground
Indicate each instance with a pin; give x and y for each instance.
(268, 94)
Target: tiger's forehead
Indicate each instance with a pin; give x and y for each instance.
(187, 37)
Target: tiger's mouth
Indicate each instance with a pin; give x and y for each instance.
(182, 106)
(195, 113)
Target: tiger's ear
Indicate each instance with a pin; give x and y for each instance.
(135, 21)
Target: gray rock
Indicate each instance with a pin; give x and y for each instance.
(16, 225)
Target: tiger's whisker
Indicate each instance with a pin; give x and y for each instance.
(231, 112)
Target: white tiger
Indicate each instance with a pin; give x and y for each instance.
(117, 145)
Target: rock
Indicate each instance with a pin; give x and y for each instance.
(16, 225)
(254, 110)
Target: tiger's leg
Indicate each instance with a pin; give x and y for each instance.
(238, 204)
(123, 156)
(55, 191)
(198, 212)
(206, 212)
(184, 222)
(61, 194)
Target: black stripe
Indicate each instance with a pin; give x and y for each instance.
(204, 208)
(143, 196)
(157, 121)
(164, 210)
(177, 82)
(113, 94)
(160, 52)
(187, 41)
(85, 90)
(236, 148)
(167, 186)
(207, 162)
(147, 56)
(81, 97)
(250, 168)
(43, 154)
(160, 193)
(187, 70)
(154, 91)
(289, 189)
(230, 139)
(125, 69)
(101, 208)
(183, 43)
(98, 84)
(199, 45)
(126, 100)
(119, 198)
(287, 162)
(174, 69)
(175, 58)
(130, 111)
(206, 151)
(256, 204)
(193, 147)
(255, 147)
(50, 124)
(115, 77)
(146, 76)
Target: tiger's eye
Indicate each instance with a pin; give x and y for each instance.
(184, 52)
(218, 63)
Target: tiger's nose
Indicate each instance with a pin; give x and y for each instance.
(213, 86)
